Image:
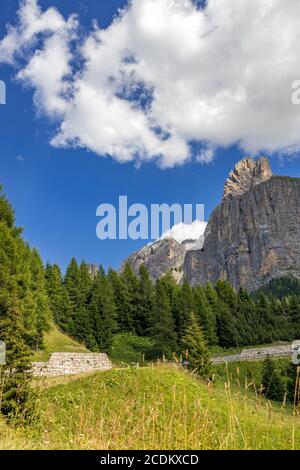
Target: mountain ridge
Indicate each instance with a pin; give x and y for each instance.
(252, 236)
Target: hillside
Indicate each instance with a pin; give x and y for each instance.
(55, 341)
(161, 408)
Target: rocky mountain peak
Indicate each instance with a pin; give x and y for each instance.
(159, 257)
(246, 173)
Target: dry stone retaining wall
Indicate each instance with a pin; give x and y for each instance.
(255, 354)
(71, 363)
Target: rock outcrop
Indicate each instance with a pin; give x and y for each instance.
(253, 236)
(246, 174)
(159, 257)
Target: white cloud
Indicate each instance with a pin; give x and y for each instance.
(182, 231)
(206, 155)
(165, 74)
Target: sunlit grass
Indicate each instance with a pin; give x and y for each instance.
(55, 341)
(158, 407)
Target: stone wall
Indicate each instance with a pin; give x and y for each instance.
(71, 363)
(255, 354)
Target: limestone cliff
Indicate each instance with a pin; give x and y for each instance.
(160, 257)
(252, 237)
(246, 174)
(254, 234)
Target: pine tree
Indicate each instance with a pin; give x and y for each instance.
(186, 307)
(17, 398)
(195, 345)
(271, 381)
(145, 302)
(293, 384)
(82, 323)
(205, 316)
(227, 321)
(122, 301)
(173, 291)
(58, 298)
(43, 317)
(162, 331)
(71, 283)
(102, 313)
(132, 295)
(22, 323)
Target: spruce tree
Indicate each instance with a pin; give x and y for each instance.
(272, 381)
(186, 306)
(122, 299)
(145, 302)
(71, 283)
(102, 313)
(162, 330)
(43, 316)
(195, 346)
(58, 298)
(205, 316)
(17, 400)
(132, 295)
(173, 291)
(293, 384)
(23, 305)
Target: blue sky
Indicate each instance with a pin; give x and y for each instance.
(55, 191)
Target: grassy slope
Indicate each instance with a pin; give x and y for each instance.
(157, 408)
(56, 341)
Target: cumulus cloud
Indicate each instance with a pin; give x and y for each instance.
(206, 155)
(182, 231)
(163, 75)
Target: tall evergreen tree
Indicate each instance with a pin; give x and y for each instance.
(186, 307)
(58, 298)
(205, 316)
(102, 313)
(132, 294)
(122, 298)
(195, 346)
(72, 285)
(162, 331)
(145, 302)
(271, 381)
(17, 395)
(21, 296)
(38, 288)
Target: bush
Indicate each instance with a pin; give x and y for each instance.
(130, 348)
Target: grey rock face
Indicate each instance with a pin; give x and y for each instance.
(246, 174)
(253, 236)
(159, 257)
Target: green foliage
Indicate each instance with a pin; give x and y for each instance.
(162, 311)
(17, 398)
(163, 332)
(102, 313)
(271, 381)
(24, 312)
(58, 297)
(128, 348)
(195, 348)
(160, 407)
(280, 288)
